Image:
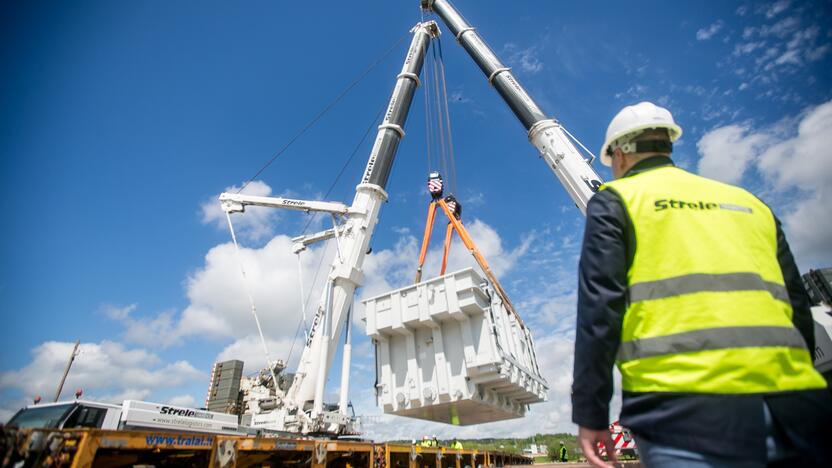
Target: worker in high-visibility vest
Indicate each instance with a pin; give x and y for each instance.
(562, 456)
(688, 286)
(456, 445)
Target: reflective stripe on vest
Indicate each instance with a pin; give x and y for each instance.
(708, 310)
(701, 282)
(711, 339)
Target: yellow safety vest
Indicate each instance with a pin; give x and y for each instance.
(708, 310)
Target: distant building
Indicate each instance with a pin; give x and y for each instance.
(224, 387)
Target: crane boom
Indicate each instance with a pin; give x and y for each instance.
(345, 275)
(301, 408)
(546, 134)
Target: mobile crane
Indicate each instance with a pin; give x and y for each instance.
(301, 408)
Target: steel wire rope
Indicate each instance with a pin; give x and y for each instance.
(428, 117)
(308, 296)
(324, 111)
(252, 305)
(437, 97)
(444, 100)
(592, 160)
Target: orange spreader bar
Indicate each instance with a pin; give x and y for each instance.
(456, 225)
(426, 240)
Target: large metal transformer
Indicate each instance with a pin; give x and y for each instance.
(447, 350)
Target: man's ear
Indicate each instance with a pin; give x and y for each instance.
(618, 160)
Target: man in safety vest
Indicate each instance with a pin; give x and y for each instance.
(689, 287)
(456, 445)
(562, 456)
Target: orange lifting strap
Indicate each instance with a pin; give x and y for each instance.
(453, 210)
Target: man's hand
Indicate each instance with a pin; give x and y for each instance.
(588, 440)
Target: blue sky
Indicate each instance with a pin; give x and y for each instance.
(122, 121)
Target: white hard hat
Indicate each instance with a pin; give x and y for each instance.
(631, 121)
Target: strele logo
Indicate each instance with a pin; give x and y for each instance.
(177, 411)
(665, 204)
(294, 202)
(185, 412)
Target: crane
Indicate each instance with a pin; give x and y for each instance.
(301, 408)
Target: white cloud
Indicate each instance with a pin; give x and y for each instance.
(249, 349)
(183, 400)
(788, 57)
(791, 158)
(727, 151)
(634, 91)
(218, 299)
(217, 292)
(706, 33)
(106, 371)
(526, 58)
(748, 47)
(780, 29)
(257, 222)
(772, 54)
(813, 55)
(803, 162)
(118, 313)
(776, 8)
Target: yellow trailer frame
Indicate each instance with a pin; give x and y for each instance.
(94, 448)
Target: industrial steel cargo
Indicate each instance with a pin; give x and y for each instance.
(447, 350)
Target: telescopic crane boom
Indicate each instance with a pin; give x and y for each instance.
(301, 408)
(546, 134)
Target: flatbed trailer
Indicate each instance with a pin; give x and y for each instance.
(88, 448)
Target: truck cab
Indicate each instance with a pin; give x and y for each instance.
(67, 415)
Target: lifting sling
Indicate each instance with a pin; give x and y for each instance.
(453, 210)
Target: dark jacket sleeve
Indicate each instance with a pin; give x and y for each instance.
(801, 305)
(602, 299)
